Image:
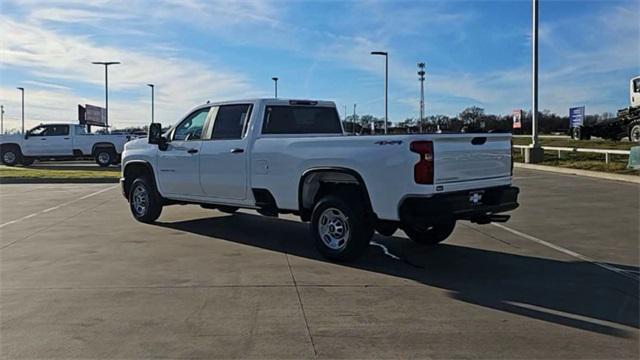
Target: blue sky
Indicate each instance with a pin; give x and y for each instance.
(477, 53)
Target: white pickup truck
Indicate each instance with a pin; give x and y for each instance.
(60, 141)
(292, 156)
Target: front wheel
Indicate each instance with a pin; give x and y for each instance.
(144, 201)
(11, 156)
(429, 234)
(341, 229)
(104, 157)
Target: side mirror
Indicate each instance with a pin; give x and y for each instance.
(26, 136)
(155, 136)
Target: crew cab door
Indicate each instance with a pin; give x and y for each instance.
(178, 165)
(223, 156)
(48, 140)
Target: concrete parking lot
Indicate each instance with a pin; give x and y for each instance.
(81, 279)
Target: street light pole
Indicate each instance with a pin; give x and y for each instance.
(536, 154)
(275, 81)
(106, 88)
(386, 85)
(354, 119)
(22, 91)
(152, 104)
(421, 79)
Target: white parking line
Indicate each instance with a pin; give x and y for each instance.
(629, 274)
(57, 206)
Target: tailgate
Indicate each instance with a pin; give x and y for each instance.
(468, 157)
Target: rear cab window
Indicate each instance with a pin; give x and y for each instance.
(288, 119)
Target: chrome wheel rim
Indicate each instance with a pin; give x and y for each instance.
(333, 227)
(9, 157)
(635, 133)
(104, 158)
(140, 200)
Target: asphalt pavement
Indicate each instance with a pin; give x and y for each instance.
(79, 278)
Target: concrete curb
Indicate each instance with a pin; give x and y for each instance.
(26, 180)
(594, 174)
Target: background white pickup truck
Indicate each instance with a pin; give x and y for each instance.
(60, 141)
(292, 156)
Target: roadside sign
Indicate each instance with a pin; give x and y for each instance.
(576, 116)
(92, 115)
(516, 114)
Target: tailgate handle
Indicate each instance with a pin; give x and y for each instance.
(478, 140)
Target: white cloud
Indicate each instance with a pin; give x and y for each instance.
(47, 54)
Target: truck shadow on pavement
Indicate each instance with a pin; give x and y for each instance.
(571, 293)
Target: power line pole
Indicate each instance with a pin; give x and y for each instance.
(421, 78)
(1, 119)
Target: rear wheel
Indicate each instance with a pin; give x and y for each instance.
(144, 201)
(104, 157)
(11, 156)
(634, 131)
(341, 229)
(429, 234)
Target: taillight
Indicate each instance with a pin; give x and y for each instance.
(423, 169)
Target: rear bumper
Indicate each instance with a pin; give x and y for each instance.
(459, 205)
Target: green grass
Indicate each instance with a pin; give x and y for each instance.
(39, 173)
(588, 144)
(584, 161)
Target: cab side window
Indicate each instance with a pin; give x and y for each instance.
(191, 127)
(58, 130)
(38, 131)
(231, 122)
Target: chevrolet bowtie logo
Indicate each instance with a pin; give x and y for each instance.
(475, 198)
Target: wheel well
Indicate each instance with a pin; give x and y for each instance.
(134, 170)
(10, 146)
(317, 183)
(99, 146)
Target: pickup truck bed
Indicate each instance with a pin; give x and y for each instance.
(291, 156)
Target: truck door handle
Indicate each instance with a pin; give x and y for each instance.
(237, 151)
(66, 138)
(43, 138)
(192, 151)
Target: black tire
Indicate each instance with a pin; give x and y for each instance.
(27, 161)
(11, 156)
(227, 209)
(634, 131)
(144, 200)
(335, 213)
(429, 235)
(386, 228)
(104, 157)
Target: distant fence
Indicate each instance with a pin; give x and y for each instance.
(606, 152)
